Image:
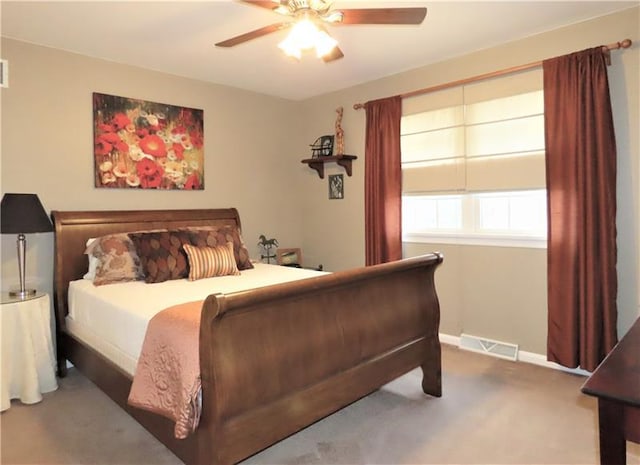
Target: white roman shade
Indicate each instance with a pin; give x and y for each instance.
(485, 136)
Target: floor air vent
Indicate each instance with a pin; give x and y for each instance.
(489, 347)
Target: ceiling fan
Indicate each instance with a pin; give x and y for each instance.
(309, 20)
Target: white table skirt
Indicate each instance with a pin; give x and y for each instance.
(28, 361)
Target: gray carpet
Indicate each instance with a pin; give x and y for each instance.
(492, 412)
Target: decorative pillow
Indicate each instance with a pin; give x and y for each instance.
(117, 260)
(162, 255)
(207, 262)
(93, 262)
(214, 236)
(93, 266)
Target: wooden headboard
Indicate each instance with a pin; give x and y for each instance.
(74, 228)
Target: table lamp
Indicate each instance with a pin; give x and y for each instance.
(23, 214)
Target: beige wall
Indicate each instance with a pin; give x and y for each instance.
(474, 301)
(498, 293)
(253, 148)
(47, 148)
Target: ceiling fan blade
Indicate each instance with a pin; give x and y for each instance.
(335, 54)
(383, 16)
(253, 34)
(268, 4)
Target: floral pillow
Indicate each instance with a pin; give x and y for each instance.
(117, 260)
(214, 236)
(162, 255)
(207, 262)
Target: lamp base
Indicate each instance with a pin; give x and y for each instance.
(23, 294)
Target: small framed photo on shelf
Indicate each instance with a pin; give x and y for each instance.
(322, 147)
(289, 257)
(336, 186)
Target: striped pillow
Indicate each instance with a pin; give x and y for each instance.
(207, 262)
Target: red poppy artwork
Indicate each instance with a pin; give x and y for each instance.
(146, 145)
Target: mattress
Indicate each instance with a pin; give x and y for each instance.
(113, 318)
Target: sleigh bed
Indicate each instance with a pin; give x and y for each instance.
(275, 359)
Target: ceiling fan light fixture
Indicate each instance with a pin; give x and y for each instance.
(282, 9)
(302, 37)
(324, 44)
(290, 49)
(307, 30)
(305, 35)
(333, 17)
(320, 5)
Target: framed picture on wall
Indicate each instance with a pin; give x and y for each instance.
(289, 257)
(147, 145)
(336, 186)
(4, 73)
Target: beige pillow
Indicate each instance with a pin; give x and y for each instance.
(207, 262)
(117, 260)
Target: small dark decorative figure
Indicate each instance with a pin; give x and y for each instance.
(267, 245)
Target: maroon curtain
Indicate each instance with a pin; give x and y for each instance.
(581, 187)
(383, 181)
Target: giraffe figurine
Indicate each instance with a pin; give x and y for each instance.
(339, 133)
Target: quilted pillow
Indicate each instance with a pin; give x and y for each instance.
(117, 260)
(214, 236)
(162, 255)
(207, 262)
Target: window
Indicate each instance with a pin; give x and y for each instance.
(502, 218)
(473, 163)
(513, 213)
(432, 213)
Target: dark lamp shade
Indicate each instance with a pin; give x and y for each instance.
(23, 214)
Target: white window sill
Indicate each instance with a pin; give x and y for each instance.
(491, 240)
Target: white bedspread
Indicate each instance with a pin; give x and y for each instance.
(113, 318)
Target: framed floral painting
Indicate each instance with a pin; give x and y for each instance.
(147, 145)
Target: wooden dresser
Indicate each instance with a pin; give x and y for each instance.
(616, 384)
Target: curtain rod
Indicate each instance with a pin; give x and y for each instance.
(626, 43)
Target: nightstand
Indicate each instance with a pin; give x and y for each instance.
(28, 360)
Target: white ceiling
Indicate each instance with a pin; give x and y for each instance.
(177, 37)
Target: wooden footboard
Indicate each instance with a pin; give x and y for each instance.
(277, 359)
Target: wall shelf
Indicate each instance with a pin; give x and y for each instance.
(318, 163)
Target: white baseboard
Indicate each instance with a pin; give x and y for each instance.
(523, 356)
(539, 359)
(448, 339)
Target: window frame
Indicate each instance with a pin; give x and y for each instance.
(470, 232)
